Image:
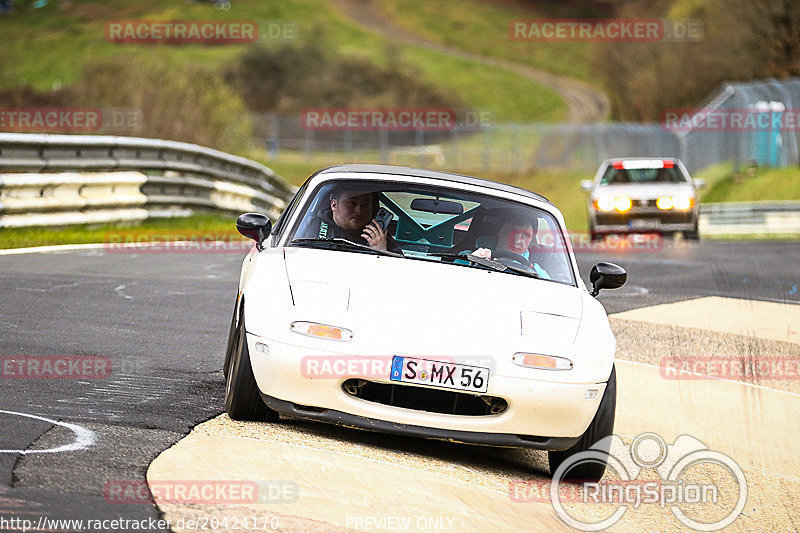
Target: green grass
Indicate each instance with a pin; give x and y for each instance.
(50, 47)
(754, 236)
(206, 226)
(290, 167)
(755, 185)
(560, 187)
(483, 27)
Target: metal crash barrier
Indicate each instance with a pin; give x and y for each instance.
(81, 179)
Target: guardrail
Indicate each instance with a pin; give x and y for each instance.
(77, 179)
(763, 218)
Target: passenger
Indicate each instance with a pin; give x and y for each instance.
(515, 236)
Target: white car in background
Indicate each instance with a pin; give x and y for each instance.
(426, 339)
(643, 195)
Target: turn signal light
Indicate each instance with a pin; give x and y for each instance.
(322, 331)
(545, 362)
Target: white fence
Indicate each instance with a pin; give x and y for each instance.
(78, 179)
(750, 218)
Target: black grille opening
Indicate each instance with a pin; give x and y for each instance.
(425, 399)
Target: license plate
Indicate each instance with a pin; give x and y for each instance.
(440, 374)
(645, 223)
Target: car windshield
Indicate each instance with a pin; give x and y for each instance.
(621, 176)
(436, 224)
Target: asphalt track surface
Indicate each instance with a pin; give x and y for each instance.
(162, 320)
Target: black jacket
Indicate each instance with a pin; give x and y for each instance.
(322, 226)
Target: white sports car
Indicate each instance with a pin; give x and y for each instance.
(425, 304)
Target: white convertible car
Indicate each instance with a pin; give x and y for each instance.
(424, 304)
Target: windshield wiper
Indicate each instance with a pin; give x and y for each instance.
(344, 242)
(490, 263)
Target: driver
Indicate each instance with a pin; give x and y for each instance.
(514, 236)
(350, 217)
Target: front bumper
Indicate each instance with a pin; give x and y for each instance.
(540, 414)
(469, 437)
(643, 220)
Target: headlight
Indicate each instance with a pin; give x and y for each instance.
(542, 362)
(664, 202)
(622, 204)
(322, 331)
(605, 204)
(681, 202)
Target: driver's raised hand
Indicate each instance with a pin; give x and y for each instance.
(375, 236)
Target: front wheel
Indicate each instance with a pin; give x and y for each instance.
(242, 398)
(602, 426)
(693, 235)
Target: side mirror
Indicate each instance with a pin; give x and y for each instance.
(586, 185)
(254, 226)
(699, 184)
(607, 276)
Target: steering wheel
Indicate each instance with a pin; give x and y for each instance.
(514, 257)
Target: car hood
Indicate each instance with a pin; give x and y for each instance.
(426, 307)
(644, 191)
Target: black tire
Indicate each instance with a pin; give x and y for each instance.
(602, 426)
(231, 339)
(242, 398)
(693, 235)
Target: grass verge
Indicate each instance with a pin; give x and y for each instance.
(755, 184)
(205, 226)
